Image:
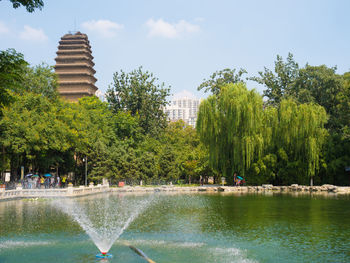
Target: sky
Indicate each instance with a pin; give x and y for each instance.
(182, 42)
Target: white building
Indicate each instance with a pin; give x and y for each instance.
(183, 106)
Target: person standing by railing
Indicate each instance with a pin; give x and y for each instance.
(47, 182)
(58, 181)
(52, 182)
(64, 180)
(42, 181)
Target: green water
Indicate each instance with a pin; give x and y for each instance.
(189, 228)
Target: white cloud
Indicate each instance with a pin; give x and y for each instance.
(104, 28)
(32, 34)
(3, 28)
(162, 28)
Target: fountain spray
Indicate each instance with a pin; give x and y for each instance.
(115, 213)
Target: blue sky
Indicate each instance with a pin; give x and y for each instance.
(183, 42)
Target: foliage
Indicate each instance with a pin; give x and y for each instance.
(221, 78)
(12, 68)
(244, 138)
(42, 80)
(287, 140)
(138, 93)
(319, 85)
(32, 133)
(301, 133)
(280, 85)
(30, 5)
(230, 125)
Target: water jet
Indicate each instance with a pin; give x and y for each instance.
(105, 219)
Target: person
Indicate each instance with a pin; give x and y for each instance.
(64, 179)
(58, 181)
(202, 180)
(30, 182)
(47, 182)
(234, 179)
(37, 182)
(52, 182)
(42, 181)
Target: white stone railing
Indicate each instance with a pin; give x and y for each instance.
(60, 192)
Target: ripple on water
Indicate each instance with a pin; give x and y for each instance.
(18, 244)
(230, 255)
(163, 243)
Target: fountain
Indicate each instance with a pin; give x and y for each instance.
(104, 219)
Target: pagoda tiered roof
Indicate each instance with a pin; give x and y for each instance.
(74, 67)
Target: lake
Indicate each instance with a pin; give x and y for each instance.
(186, 228)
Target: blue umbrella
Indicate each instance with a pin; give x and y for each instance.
(240, 178)
(47, 175)
(29, 175)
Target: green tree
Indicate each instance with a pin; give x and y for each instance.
(12, 72)
(230, 125)
(137, 92)
(30, 5)
(221, 78)
(301, 134)
(281, 84)
(321, 85)
(32, 134)
(343, 108)
(42, 80)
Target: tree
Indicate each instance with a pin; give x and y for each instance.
(343, 108)
(321, 85)
(301, 134)
(12, 72)
(182, 140)
(30, 5)
(230, 125)
(33, 134)
(41, 79)
(138, 93)
(279, 86)
(221, 78)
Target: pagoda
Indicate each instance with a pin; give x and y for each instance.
(74, 67)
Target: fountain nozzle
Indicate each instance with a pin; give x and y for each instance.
(104, 255)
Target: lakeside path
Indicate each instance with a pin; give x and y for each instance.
(82, 190)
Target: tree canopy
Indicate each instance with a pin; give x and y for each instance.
(139, 93)
(12, 71)
(240, 134)
(230, 125)
(221, 78)
(30, 5)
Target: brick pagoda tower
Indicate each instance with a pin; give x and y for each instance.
(74, 67)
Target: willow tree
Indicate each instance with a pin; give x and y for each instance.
(301, 133)
(230, 124)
